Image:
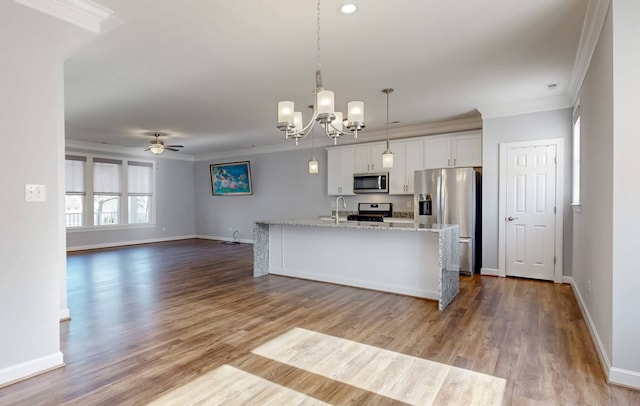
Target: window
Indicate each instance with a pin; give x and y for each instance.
(140, 177)
(102, 191)
(74, 196)
(575, 173)
(106, 191)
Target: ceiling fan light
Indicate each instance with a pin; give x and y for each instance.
(156, 148)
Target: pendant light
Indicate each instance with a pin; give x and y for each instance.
(313, 162)
(387, 156)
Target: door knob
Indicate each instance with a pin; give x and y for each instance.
(511, 218)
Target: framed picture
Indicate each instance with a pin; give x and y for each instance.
(233, 178)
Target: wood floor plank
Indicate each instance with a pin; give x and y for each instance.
(152, 318)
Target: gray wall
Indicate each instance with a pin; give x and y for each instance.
(605, 232)
(282, 188)
(592, 245)
(33, 46)
(526, 127)
(626, 187)
(175, 207)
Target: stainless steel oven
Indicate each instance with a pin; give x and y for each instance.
(371, 182)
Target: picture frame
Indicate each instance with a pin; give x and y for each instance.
(231, 178)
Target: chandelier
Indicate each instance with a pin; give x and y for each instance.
(334, 124)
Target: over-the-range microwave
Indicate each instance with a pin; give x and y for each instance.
(371, 182)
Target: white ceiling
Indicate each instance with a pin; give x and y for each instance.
(210, 73)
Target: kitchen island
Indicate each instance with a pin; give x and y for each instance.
(412, 259)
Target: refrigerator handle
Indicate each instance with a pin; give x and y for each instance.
(439, 214)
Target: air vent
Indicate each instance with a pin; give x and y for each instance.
(552, 86)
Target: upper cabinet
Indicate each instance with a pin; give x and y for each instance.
(409, 154)
(448, 151)
(368, 157)
(407, 158)
(340, 166)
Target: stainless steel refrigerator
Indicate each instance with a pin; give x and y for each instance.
(451, 196)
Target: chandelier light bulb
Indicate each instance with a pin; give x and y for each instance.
(297, 121)
(355, 111)
(325, 102)
(285, 112)
(337, 122)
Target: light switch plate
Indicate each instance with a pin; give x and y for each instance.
(35, 193)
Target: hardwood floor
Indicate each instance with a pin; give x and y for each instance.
(152, 318)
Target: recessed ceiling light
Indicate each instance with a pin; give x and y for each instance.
(348, 8)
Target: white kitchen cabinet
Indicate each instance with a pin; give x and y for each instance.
(449, 151)
(407, 158)
(340, 165)
(368, 157)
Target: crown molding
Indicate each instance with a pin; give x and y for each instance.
(525, 107)
(441, 127)
(85, 146)
(83, 13)
(591, 29)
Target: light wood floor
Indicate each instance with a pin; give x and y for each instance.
(150, 319)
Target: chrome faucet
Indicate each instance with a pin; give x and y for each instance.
(344, 206)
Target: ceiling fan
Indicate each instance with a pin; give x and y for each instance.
(158, 147)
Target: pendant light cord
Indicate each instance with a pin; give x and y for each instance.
(387, 92)
(318, 36)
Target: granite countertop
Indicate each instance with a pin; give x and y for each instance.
(367, 225)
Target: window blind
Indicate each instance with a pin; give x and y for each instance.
(140, 178)
(74, 174)
(106, 176)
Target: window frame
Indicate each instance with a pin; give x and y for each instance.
(82, 194)
(123, 217)
(576, 158)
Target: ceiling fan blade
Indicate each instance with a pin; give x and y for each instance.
(175, 146)
(148, 148)
(171, 149)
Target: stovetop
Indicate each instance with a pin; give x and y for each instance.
(372, 212)
(366, 217)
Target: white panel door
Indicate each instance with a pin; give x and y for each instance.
(530, 212)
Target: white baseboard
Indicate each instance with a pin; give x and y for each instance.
(489, 271)
(617, 376)
(624, 377)
(64, 314)
(125, 243)
(210, 237)
(31, 368)
(356, 283)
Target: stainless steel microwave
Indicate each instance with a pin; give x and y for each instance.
(371, 182)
